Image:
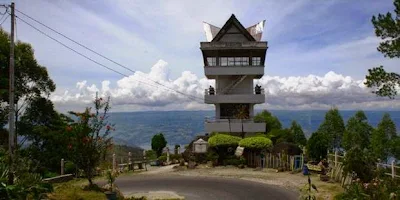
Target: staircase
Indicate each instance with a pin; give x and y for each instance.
(233, 84)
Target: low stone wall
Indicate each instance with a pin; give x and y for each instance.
(59, 179)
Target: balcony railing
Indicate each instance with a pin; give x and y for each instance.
(228, 119)
(234, 92)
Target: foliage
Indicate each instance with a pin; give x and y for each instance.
(298, 134)
(380, 138)
(233, 160)
(89, 137)
(308, 190)
(151, 155)
(111, 176)
(317, 146)
(31, 79)
(163, 158)
(256, 143)
(158, 143)
(222, 140)
(386, 188)
(387, 27)
(333, 127)
(27, 184)
(44, 128)
(360, 162)
(358, 132)
(281, 135)
(395, 147)
(211, 156)
(271, 122)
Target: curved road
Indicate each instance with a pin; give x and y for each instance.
(210, 188)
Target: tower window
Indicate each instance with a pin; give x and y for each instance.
(256, 61)
(211, 61)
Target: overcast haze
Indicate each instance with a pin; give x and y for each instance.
(318, 56)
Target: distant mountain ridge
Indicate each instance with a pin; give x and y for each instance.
(180, 127)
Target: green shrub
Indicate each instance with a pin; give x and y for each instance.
(223, 140)
(162, 158)
(256, 143)
(69, 167)
(211, 156)
(49, 174)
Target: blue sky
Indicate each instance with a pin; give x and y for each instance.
(161, 39)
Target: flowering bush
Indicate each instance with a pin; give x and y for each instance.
(387, 188)
(89, 137)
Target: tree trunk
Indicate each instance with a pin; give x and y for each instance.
(242, 129)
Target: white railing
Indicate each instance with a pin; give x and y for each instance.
(234, 92)
(228, 119)
(392, 167)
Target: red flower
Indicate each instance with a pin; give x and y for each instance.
(108, 127)
(69, 128)
(101, 117)
(69, 146)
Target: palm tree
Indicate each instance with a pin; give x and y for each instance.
(242, 113)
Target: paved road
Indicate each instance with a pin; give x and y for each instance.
(209, 188)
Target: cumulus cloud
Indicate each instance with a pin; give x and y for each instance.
(143, 91)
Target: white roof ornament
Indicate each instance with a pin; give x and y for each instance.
(210, 30)
(256, 30)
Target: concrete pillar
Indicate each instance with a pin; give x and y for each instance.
(114, 163)
(167, 155)
(336, 159)
(393, 171)
(62, 166)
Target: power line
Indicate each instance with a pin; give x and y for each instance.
(103, 56)
(4, 20)
(98, 63)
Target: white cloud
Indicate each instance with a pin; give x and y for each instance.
(294, 92)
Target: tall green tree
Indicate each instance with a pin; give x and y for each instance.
(298, 134)
(271, 122)
(317, 146)
(158, 143)
(387, 27)
(381, 136)
(395, 147)
(358, 132)
(31, 79)
(333, 126)
(43, 127)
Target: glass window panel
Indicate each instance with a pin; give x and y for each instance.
(211, 61)
(256, 61)
(245, 61)
(223, 61)
(231, 61)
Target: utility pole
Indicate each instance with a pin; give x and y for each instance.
(11, 122)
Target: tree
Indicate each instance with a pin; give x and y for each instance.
(43, 127)
(333, 126)
(380, 138)
(271, 122)
(242, 113)
(90, 137)
(317, 146)
(395, 147)
(281, 135)
(358, 132)
(158, 143)
(360, 161)
(298, 134)
(387, 27)
(31, 79)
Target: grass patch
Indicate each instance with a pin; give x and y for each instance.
(74, 191)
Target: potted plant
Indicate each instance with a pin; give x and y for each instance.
(111, 194)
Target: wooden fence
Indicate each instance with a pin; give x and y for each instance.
(276, 161)
(336, 169)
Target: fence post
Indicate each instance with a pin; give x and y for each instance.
(62, 166)
(129, 161)
(113, 162)
(393, 172)
(336, 159)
